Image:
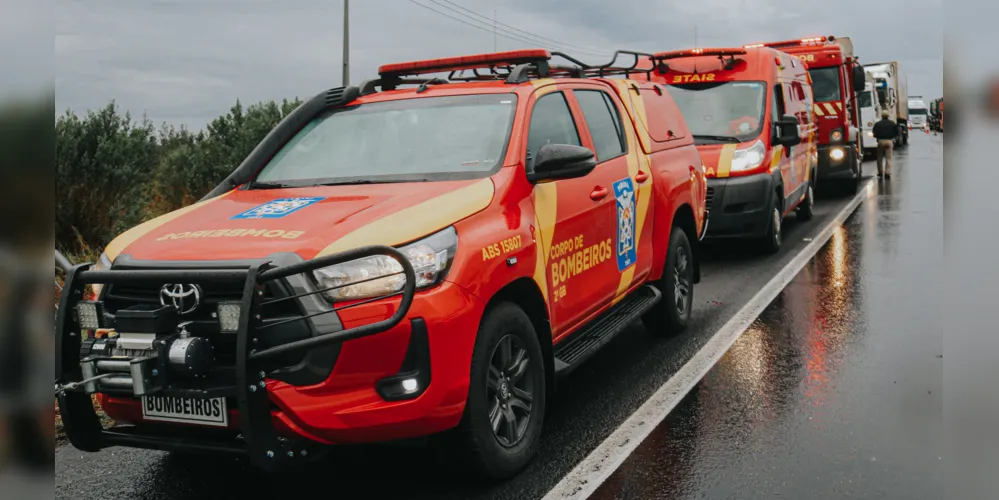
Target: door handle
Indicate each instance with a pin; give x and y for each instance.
(598, 193)
(641, 177)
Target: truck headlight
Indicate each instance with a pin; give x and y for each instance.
(103, 263)
(380, 275)
(837, 135)
(748, 158)
(837, 154)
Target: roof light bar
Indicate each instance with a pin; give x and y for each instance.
(675, 54)
(508, 58)
(795, 42)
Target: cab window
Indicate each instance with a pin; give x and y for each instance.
(779, 109)
(551, 123)
(604, 122)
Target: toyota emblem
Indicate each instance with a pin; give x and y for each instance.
(186, 298)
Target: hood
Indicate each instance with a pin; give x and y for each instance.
(310, 222)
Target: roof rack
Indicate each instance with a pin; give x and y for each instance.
(516, 66)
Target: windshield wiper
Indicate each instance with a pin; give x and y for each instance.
(723, 138)
(344, 183)
(268, 185)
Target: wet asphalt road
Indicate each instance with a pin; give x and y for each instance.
(836, 390)
(788, 375)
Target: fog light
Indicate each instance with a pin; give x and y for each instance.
(228, 313)
(410, 386)
(837, 154)
(89, 314)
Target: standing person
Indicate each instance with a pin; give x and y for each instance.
(885, 132)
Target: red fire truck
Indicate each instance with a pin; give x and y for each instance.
(837, 77)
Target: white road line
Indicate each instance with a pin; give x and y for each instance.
(590, 473)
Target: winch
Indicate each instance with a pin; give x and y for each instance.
(146, 346)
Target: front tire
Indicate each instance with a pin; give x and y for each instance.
(671, 314)
(772, 241)
(806, 210)
(504, 414)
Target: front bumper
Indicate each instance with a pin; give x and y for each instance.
(272, 421)
(739, 206)
(832, 168)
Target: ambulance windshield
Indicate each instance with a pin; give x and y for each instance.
(722, 112)
(427, 138)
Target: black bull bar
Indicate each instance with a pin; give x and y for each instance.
(257, 438)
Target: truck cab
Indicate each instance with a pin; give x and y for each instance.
(836, 78)
(918, 114)
(750, 113)
(870, 113)
(426, 252)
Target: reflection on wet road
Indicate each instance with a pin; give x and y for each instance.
(826, 394)
(835, 392)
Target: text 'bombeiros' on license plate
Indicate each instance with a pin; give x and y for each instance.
(186, 410)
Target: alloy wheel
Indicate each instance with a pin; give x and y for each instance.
(510, 387)
(681, 283)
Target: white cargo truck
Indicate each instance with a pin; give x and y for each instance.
(870, 113)
(919, 113)
(893, 94)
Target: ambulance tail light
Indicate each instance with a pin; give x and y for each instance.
(508, 58)
(749, 158)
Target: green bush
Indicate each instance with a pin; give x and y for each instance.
(113, 173)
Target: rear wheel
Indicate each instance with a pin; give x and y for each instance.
(505, 411)
(672, 314)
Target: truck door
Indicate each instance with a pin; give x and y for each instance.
(604, 118)
(580, 266)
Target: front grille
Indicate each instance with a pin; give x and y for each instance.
(203, 322)
(709, 198)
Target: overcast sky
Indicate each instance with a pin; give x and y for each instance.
(187, 61)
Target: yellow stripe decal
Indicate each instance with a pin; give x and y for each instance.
(818, 110)
(545, 208)
(418, 220)
(839, 106)
(830, 108)
(776, 158)
(638, 161)
(725, 160)
(545, 212)
(128, 237)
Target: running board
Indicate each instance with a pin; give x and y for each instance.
(572, 352)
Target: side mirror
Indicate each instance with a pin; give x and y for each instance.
(561, 161)
(859, 78)
(787, 131)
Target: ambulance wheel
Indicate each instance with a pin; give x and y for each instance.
(499, 432)
(672, 313)
(805, 210)
(772, 240)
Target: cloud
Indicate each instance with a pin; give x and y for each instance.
(189, 60)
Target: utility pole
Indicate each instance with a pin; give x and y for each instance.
(346, 44)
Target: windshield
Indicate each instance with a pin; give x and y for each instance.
(402, 140)
(917, 111)
(864, 100)
(825, 84)
(727, 112)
